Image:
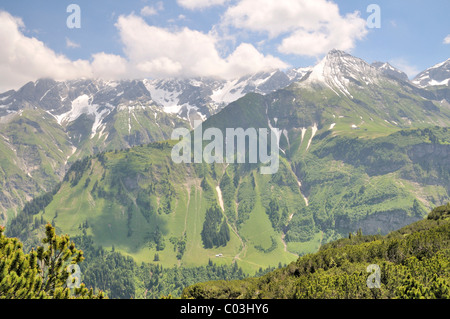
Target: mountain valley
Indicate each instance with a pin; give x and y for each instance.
(361, 148)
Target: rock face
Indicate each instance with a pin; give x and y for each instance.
(437, 155)
(385, 222)
(436, 152)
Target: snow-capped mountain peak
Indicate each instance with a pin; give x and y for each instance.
(190, 99)
(338, 70)
(438, 74)
(204, 97)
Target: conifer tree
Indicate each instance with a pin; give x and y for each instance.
(42, 273)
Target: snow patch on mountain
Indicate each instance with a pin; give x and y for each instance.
(165, 97)
(79, 106)
(227, 93)
(314, 131)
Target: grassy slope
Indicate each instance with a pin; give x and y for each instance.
(33, 152)
(107, 218)
(341, 197)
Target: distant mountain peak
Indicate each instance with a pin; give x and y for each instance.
(338, 53)
(338, 70)
(438, 74)
(190, 98)
(390, 70)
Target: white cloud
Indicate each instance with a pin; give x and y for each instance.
(109, 66)
(307, 28)
(24, 59)
(247, 59)
(341, 34)
(71, 44)
(160, 6)
(152, 10)
(149, 52)
(181, 17)
(447, 39)
(200, 4)
(148, 11)
(185, 52)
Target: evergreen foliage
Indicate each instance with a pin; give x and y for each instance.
(121, 277)
(42, 273)
(215, 231)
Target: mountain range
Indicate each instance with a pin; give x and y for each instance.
(46, 125)
(361, 146)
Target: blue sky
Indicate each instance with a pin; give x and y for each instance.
(148, 38)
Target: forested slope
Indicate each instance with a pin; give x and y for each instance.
(414, 262)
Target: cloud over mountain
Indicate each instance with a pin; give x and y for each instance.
(149, 51)
(24, 59)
